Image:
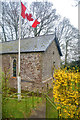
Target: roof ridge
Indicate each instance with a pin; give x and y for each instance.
(28, 38)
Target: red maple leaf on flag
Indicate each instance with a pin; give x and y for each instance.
(33, 22)
(29, 17)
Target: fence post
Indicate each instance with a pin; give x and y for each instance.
(46, 107)
(27, 89)
(46, 102)
(47, 88)
(33, 100)
(26, 102)
(42, 94)
(37, 95)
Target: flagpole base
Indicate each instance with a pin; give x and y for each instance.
(19, 87)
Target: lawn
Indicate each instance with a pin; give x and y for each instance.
(51, 109)
(12, 108)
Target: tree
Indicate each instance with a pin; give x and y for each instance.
(10, 20)
(77, 2)
(75, 64)
(68, 38)
(47, 16)
(2, 24)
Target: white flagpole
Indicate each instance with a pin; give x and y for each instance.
(19, 78)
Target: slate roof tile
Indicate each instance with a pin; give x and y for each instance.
(35, 44)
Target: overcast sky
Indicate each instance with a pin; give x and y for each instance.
(65, 8)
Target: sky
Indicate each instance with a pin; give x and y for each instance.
(66, 8)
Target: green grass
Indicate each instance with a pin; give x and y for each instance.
(12, 108)
(52, 112)
(51, 109)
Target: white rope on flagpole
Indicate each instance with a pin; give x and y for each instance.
(19, 77)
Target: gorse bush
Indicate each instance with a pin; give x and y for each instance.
(66, 92)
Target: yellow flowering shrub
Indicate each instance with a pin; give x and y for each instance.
(66, 92)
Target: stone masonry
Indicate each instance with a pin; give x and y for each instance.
(36, 68)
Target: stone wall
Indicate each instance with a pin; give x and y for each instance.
(31, 72)
(36, 68)
(49, 58)
(31, 67)
(7, 63)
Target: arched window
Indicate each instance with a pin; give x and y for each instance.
(14, 68)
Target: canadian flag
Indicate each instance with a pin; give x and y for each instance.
(26, 15)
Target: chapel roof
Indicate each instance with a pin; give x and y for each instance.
(34, 44)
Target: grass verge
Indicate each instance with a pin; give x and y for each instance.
(12, 108)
